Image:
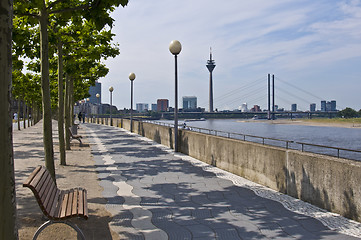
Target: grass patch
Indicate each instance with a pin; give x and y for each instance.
(334, 120)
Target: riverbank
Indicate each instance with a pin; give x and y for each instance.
(336, 122)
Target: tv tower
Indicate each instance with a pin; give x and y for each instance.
(210, 65)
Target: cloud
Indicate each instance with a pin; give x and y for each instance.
(249, 39)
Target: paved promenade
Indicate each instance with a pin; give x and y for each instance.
(153, 193)
(141, 190)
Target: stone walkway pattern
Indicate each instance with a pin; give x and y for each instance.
(138, 189)
(153, 193)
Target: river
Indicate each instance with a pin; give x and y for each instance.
(349, 138)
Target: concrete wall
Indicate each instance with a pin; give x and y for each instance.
(328, 182)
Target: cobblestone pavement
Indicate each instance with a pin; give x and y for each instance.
(153, 193)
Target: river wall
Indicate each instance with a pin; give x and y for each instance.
(327, 182)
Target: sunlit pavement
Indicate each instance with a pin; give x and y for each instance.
(154, 193)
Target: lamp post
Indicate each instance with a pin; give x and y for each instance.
(98, 96)
(110, 108)
(175, 48)
(131, 78)
(87, 108)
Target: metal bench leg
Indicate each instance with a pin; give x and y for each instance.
(48, 223)
(41, 228)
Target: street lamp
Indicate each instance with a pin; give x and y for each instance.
(98, 97)
(111, 96)
(87, 108)
(131, 78)
(175, 48)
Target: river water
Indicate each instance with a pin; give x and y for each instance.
(349, 138)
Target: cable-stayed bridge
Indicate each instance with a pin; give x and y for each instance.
(255, 92)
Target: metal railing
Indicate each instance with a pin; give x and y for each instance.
(288, 144)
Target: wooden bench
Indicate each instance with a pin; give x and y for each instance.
(57, 205)
(76, 137)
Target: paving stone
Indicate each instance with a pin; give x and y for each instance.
(188, 199)
(201, 231)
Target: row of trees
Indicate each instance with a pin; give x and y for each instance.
(349, 113)
(52, 51)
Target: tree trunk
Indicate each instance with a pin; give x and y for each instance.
(8, 228)
(45, 91)
(18, 120)
(67, 112)
(61, 104)
(28, 109)
(71, 100)
(24, 114)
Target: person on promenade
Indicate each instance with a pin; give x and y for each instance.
(79, 117)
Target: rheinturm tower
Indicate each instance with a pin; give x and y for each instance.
(210, 65)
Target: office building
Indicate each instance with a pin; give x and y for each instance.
(93, 90)
(294, 107)
(323, 106)
(256, 108)
(189, 102)
(162, 105)
(154, 107)
(243, 107)
(328, 106)
(142, 107)
(333, 105)
(313, 107)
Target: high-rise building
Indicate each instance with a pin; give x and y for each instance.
(333, 105)
(162, 105)
(142, 107)
(313, 107)
(154, 107)
(328, 106)
(323, 106)
(294, 107)
(243, 107)
(189, 102)
(256, 108)
(93, 90)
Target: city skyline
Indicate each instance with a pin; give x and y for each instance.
(314, 46)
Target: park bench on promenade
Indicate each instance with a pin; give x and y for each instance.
(74, 136)
(57, 205)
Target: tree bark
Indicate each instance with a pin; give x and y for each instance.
(24, 114)
(8, 229)
(71, 100)
(45, 91)
(18, 120)
(61, 104)
(67, 112)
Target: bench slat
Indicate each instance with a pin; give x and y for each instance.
(74, 208)
(37, 178)
(50, 198)
(69, 203)
(44, 191)
(64, 204)
(31, 176)
(85, 204)
(81, 203)
(54, 209)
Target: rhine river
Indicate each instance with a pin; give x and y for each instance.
(349, 138)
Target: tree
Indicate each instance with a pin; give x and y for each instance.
(347, 113)
(97, 11)
(8, 228)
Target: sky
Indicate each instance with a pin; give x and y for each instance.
(313, 49)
